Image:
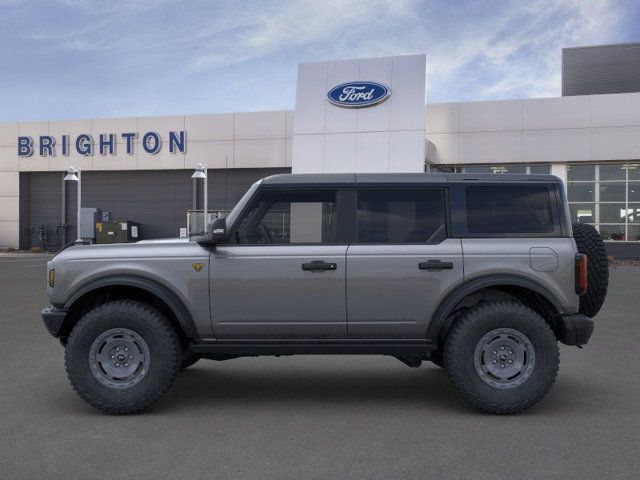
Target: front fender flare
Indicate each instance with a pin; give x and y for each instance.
(174, 303)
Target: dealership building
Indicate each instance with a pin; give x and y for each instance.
(139, 169)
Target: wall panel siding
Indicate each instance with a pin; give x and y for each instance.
(601, 69)
(157, 199)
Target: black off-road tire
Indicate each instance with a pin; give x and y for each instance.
(188, 359)
(162, 346)
(469, 331)
(589, 243)
(437, 358)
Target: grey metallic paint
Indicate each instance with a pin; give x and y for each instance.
(376, 291)
(169, 264)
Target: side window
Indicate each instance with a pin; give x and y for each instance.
(509, 209)
(401, 216)
(288, 217)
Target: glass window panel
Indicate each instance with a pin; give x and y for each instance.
(583, 212)
(612, 192)
(540, 169)
(581, 192)
(285, 217)
(634, 192)
(612, 232)
(581, 172)
(477, 169)
(521, 169)
(633, 233)
(634, 171)
(612, 171)
(401, 216)
(612, 212)
(507, 209)
(633, 213)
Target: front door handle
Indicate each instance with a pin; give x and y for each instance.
(319, 265)
(435, 265)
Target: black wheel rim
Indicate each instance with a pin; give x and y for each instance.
(119, 358)
(504, 358)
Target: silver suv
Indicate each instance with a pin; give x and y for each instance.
(481, 275)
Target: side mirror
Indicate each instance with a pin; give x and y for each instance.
(217, 231)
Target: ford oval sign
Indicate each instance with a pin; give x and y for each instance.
(358, 94)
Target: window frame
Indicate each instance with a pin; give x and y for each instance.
(444, 191)
(460, 219)
(341, 200)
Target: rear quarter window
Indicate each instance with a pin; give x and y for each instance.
(509, 209)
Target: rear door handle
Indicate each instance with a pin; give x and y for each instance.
(435, 265)
(319, 265)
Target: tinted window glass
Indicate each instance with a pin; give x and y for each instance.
(581, 173)
(401, 216)
(614, 171)
(540, 169)
(509, 209)
(279, 217)
(582, 192)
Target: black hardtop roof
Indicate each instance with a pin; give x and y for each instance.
(370, 179)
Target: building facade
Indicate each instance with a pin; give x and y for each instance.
(365, 115)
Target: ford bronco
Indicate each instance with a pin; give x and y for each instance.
(482, 275)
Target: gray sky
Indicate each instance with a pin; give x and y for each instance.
(64, 59)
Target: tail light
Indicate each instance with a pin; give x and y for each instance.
(581, 274)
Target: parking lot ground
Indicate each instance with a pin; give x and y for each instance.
(317, 417)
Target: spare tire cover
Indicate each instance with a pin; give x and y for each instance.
(589, 243)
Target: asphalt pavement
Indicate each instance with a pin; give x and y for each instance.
(316, 417)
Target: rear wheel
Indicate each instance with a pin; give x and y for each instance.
(501, 356)
(122, 356)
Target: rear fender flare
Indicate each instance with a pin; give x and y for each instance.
(439, 322)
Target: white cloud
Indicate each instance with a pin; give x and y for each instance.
(287, 24)
(521, 49)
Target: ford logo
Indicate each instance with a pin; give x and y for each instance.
(358, 94)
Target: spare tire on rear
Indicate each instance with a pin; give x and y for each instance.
(589, 243)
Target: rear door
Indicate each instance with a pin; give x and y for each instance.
(401, 263)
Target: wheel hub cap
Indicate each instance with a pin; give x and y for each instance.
(504, 358)
(119, 358)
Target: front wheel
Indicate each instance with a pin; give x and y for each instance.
(122, 356)
(502, 357)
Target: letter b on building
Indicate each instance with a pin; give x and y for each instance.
(25, 146)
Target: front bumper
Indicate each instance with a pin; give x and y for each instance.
(574, 329)
(53, 319)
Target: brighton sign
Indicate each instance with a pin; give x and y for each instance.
(358, 94)
(104, 144)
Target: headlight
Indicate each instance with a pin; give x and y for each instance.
(52, 277)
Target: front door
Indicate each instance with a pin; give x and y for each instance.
(402, 262)
(282, 274)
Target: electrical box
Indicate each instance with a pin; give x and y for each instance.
(129, 231)
(106, 232)
(118, 231)
(88, 219)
